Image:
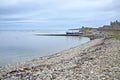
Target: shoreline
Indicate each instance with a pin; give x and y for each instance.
(91, 60)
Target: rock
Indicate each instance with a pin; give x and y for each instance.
(95, 60)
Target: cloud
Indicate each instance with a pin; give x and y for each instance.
(59, 12)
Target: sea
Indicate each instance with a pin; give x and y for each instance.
(21, 45)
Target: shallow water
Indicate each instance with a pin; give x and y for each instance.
(17, 46)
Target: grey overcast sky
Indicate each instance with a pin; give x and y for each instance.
(57, 14)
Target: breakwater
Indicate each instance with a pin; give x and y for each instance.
(92, 37)
(58, 34)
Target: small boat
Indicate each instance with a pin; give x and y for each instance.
(74, 32)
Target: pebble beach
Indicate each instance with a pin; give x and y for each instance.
(97, 59)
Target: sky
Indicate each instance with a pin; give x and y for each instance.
(57, 14)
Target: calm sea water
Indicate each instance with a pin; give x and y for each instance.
(17, 46)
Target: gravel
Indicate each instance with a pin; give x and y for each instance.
(97, 59)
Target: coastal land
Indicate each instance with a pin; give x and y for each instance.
(97, 59)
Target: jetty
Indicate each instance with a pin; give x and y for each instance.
(58, 34)
(68, 33)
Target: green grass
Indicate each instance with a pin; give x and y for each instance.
(117, 37)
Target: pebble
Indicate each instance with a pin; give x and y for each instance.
(90, 61)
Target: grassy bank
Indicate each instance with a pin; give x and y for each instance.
(117, 37)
